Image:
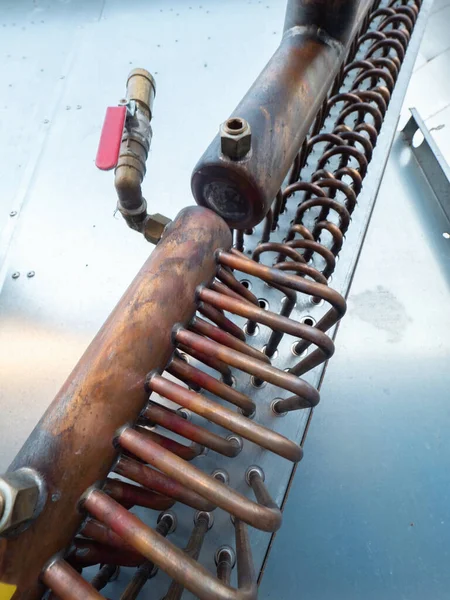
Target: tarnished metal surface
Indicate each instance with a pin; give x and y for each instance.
(106, 390)
(280, 107)
(220, 352)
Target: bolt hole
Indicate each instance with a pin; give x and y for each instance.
(417, 139)
(262, 302)
(252, 332)
(246, 283)
(184, 413)
(308, 321)
(295, 350)
(257, 383)
(316, 300)
(273, 408)
(274, 355)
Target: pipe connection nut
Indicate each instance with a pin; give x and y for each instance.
(154, 227)
(21, 499)
(235, 138)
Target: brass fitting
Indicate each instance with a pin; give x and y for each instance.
(154, 227)
(130, 169)
(22, 496)
(235, 138)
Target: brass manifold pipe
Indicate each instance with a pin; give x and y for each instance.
(134, 149)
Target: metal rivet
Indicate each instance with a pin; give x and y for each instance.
(67, 107)
(31, 274)
(79, 106)
(46, 121)
(13, 213)
(15, 275)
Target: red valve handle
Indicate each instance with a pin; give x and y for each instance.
(111, 137)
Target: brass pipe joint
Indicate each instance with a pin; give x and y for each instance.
(134, 149)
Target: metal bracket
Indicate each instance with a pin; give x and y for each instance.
(430, 159)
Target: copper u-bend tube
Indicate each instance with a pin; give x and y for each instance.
(227, 418)
(171, 559)
(165, 418)
(259, 516)
(189, 374)
(249, 365)
(67, 584)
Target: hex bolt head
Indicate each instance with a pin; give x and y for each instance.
(20, 493)
(154, 227)
(235, 138)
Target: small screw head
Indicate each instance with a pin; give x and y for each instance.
(15, 275)
(31, 274)
(13, 213)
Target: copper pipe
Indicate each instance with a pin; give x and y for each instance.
(163, 417)
(255, 479)
(299, 284)
(225, 560)
(85, 553)
(238, 424)
(106, 389)
(189, 374)
(261, 517)
(148, 569)
(171, 559)
(228, 279)
(133, 495)
(98, 532)
(286, 405)
(307, 393)
(219, 319)
(221, 288)
(66, 583)
(185, 452)
(154, 480)
(104, 576)
(193, 549)
(272, 320)
(287, 94)
(210, 361)
(222, 337)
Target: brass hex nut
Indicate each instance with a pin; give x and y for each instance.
(154, 227)
(235, 138)
(20, 497)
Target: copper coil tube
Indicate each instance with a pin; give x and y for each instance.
(192, 575)
(164, 527)
(234, 422)
(189, 374)
(185, 452)
(309, 395)
(133, 495)
(193, 548)
(67, 583)
(261, 517)
(154, 480)
(172, 422)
